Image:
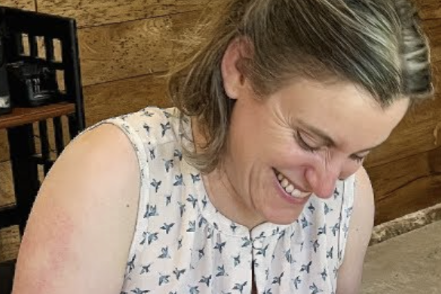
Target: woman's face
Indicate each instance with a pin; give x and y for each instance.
(298, 142)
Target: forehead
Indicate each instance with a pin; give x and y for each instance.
(340, 109)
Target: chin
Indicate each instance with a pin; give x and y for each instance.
(276, 209)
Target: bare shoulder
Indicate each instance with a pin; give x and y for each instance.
(360, 231)
(80, 229)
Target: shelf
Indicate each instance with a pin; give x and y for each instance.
(21, 116)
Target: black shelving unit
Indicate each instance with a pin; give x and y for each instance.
(23, 34)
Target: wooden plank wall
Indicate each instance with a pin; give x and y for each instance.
(125, 46)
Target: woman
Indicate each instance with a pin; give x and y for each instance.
(254, 183)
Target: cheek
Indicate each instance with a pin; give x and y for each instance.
(273, 145)
(291, 155)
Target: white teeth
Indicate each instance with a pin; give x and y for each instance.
(289, 188)
(296, 193)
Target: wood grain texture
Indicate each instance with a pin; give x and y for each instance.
(6, 186)
(117, 98)
(4, 147)
(395, 175)
(22, 4)
(101, 12)
(428, 9)
(417, 195)
(26, 115)
(9, 243)
(130, 49)
(418, 132)
(406, 185)
(433, 30)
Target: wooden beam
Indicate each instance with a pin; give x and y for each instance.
(99, 12)
(4, 148)
(9, 243)
(417, 133)
(102, 12)
(428, 9)
(406, 185)
(417, 195)
(392, 176)
(432, 28)
(6, 186)
(130, 49)
(22, 4)
(116, 98)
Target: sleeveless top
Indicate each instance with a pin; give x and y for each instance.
(182, 244)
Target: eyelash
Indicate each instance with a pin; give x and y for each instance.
(305, 146)
(357, 159)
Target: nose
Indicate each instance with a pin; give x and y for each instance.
(322, 181)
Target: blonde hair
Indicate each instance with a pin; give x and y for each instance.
(376, 44)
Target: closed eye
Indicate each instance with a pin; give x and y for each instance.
(357, 158)
(302, 143)
(306, 146)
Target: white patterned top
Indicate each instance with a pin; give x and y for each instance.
(182, 244)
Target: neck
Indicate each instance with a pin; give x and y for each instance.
(225, 198)
(220, 190)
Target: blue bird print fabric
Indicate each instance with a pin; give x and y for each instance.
(182, 244)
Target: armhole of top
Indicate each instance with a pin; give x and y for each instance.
(346, 205)
(139, 148)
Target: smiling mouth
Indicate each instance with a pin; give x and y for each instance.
(290, 188)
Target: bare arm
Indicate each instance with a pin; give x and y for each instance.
(80, 229)
(360, 230)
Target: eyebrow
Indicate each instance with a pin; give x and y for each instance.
(327, 139)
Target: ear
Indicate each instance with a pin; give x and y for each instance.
(233, 77)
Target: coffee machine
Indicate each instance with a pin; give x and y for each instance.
(26, 81)
(32, 83)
